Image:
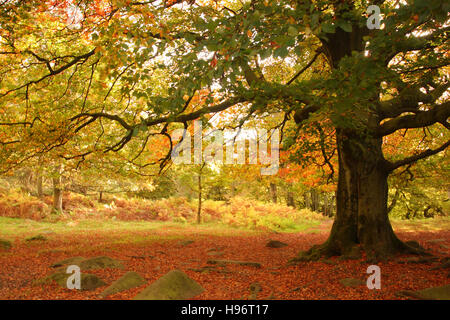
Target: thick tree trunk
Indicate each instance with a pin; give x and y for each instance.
(362, 217)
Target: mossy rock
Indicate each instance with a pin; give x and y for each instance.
(39, 237)
(436, 293)
(5, 244)
(127, 281)
(88, 281)
(185, 243)
(241, 263)
(351, 282)
(255, 289)
(175, 285)
(215, 253)
(68, 262)
(100, 263)
(276, 244)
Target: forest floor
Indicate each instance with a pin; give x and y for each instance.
(154, 248)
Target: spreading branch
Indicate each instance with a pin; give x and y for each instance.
(422, 155)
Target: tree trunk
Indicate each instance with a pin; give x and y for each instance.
(362, 218)
(290, 199)
(199, 211)
(26, 178)
(273, 192)
(57, 191)
(39, 185)
(327, 206)
(314, 200)
(306, 201)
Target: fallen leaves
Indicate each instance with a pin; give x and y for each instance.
(21, 266)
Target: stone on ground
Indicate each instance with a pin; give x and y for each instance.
(275, 244)
(185, 243)
(436, 293)
(88, 281)
(215, 253)
(351, 282)
(5, 244)
(127, 281)
(255, 288)
(175, 285)
(39, 237)
(242, 263)
(68, 262)
(100, 263)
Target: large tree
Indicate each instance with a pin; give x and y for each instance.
(121, 73)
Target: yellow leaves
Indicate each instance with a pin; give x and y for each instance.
(185, 97)
(249, 33)
(291, 20)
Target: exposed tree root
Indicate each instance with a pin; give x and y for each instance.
(352, 251)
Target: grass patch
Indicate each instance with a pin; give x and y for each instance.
(432, 224)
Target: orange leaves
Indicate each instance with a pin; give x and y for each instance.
(213, 62)
(154, 252)
(274, 45)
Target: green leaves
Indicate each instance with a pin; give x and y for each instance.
(292, 31)
(281, 52)
(345, 25)
(328, 27)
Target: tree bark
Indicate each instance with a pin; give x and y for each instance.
(290, 199)
(39, 185)
(273, 192)
(314, 200)
(199, 211)
(327, 205)
(57, 191)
